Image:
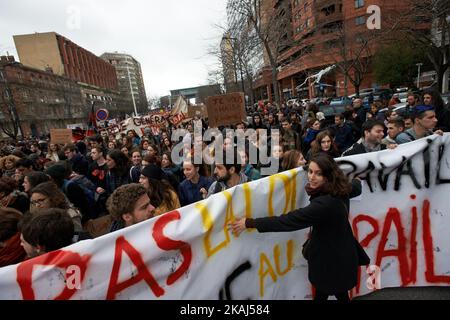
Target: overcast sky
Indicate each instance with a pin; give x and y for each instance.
(169, 38)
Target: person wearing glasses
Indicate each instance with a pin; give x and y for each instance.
(47, 195)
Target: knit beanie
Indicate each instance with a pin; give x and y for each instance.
(153, 172)
(56, 171)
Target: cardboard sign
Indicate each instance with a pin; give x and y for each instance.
(61, 136)
(228, 109)
(199, 111)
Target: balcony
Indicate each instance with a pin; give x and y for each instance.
(320, 4)
(322, 19)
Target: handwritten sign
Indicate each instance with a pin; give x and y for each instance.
(61, 136)
(226, 109)
(199, 111)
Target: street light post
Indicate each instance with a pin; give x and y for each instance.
(131, 88)
(419, 65)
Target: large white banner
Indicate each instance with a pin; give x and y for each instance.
(402, 219)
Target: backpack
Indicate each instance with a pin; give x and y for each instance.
(88, 189)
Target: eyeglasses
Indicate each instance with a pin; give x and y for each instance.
(38, 201)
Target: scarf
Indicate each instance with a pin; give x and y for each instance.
(313, 192)
(13, 252)
(369, 148)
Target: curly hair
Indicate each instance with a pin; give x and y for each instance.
(11, 158)
(336, 182)
(51, 191)
(123, 200)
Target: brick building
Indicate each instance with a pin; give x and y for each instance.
(325, 32)
(40, 100)
(65, 58)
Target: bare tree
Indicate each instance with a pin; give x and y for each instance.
(351, 53)
(270, 26)
(9, 120)
(431, 21)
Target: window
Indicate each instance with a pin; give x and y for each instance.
(359, 4)
(295, 3)
(308, 23)
(1, 76)
(360, 20)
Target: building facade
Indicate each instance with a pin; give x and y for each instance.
(130, 82)
(51, 50)
(38, 100)
(198, 93)
(321, 33)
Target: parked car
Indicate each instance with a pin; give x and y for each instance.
(340, 101)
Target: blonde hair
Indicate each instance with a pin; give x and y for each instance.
(11, 158)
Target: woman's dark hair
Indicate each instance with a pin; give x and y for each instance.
(316, 145)
(311, 122)
(36, 177)
(51, 228)
(159, 192)
(141, 145)
(121, 161)
(51, 191)
(290, 160)
(169, 157)
(155, 147)
(151, 159)
(336, 182)
(436, 101)
(129, 144)
(7, 185)
(9, 221)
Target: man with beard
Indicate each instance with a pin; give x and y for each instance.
(227, 175)
(373, 134)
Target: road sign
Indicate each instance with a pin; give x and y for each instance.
(102, 115)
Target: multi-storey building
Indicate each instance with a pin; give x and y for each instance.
(38, 100)
(130, 81)
(65, 58)
(322, 33)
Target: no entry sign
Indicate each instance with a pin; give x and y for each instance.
(102, 115)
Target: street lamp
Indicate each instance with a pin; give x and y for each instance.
(419, 65)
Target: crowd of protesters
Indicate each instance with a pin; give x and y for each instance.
(53, 195)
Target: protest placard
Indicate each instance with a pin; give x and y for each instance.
(228, 109)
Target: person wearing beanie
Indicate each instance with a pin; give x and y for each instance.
(160, 191)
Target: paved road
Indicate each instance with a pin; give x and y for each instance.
(422, 293)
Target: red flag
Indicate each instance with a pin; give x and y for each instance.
(92, 123)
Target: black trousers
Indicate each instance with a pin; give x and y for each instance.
(342, 296)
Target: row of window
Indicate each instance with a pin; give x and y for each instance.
(95, 97)
(303, 26)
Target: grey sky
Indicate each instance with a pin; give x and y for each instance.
(168, 37)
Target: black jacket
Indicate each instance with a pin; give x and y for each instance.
(333, 257)
(358, 148)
